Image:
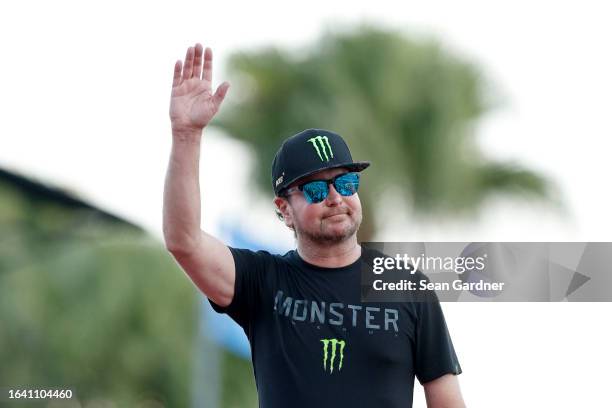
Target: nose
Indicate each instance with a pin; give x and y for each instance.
(333, 197)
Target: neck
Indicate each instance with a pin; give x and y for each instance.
(328, 255)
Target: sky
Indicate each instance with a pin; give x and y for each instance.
(84, 99)
(85, 90)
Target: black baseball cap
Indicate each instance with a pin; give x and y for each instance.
(308, 152)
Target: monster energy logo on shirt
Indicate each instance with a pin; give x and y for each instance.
(333, 344)
(321, 144)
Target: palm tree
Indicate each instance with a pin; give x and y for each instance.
(408, 106)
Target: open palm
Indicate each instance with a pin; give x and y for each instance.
(192, 103)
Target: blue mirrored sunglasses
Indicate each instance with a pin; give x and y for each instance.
(316, 191)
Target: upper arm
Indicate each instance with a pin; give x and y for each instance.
(443, 392)
(210, 266)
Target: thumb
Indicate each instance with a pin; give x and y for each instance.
(220, 94)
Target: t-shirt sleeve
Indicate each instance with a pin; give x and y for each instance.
(434, 353)
(250, 269)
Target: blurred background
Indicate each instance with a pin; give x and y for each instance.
(484, 122)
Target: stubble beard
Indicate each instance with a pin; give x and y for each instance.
(324, 236)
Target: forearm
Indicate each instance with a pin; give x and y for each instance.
(444, 392)
(182, 207)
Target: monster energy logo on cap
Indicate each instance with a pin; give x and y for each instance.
(326, 346)
(321, 144)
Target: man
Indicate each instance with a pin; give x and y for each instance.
(313, 342)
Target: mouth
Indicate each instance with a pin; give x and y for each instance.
(333, 216)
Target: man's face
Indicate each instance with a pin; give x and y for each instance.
(333, 220)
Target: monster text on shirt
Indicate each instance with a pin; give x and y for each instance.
(311, 311)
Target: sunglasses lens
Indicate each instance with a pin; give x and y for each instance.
(315, 191)
(347, 184)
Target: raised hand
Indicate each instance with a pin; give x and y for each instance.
(192, 104)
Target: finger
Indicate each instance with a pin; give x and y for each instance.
(208, 64)
(176, 80)
(188, 67)
(197, 63)
(220, 94)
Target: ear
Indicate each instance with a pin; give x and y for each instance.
(283, 206)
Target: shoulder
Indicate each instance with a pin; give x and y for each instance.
(260, 258)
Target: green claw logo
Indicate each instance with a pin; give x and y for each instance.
(321, 143)
(333, 343)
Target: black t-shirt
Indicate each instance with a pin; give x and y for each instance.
(315, 344)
